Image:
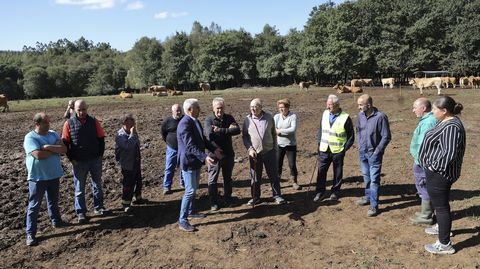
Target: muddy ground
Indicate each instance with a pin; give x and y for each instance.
(300, 234)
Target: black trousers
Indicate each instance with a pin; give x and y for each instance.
(324, 161)
(132, 184)
(226, 165)
(291, 152)
(438, 188)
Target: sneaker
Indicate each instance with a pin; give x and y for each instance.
(363, 201)
(433, 230)
(214, 208)
(439, 248)
(319, 197)
(167, 191)
(372, 212)
(196, 216)
(187, 227)
(295, 186)
(127, 209)
(333, 197)
(279, 200)
(139, 201)
(31, 240)
(100, 212)
(253, 202)
(81, 218)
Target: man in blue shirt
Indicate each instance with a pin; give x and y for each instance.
(43, 148)
(373, 132)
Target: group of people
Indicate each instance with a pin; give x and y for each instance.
(437, 146)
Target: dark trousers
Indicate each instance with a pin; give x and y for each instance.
(256, 168)
(291, 152)
(226, 166)
(324, 161)
(438, 188)
(132, 184)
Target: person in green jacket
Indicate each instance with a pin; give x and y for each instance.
(422, 109)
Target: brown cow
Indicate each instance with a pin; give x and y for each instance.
(157, 88)
(124, 94)
(4, 102)
(474, 82)
(174, 92)
(159, 94)
(205, 87)
(305, 84)
(367, 82)
(464, 82)
(356, 82)
(449, 80)
(345, 89)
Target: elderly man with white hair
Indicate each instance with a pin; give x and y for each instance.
(191, 156)
(334, 137)
(260, 139)
(219, 129)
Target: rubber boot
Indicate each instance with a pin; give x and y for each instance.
(425, 216)
(213, 195)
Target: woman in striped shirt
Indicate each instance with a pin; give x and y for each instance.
(441, 155)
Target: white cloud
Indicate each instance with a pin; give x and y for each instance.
(135, 5)
(161, 15)
(88, 4)
(164, 15)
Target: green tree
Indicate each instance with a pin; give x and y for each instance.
(144, 63)
(35, 83)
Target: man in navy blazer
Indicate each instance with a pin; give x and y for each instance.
(191, 156)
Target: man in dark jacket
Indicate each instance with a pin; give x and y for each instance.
(85, 140)
(219, 129)
(169, 135)
(191, 156)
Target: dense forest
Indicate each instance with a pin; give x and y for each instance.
(364, 38)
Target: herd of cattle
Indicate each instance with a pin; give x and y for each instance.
(355, 86)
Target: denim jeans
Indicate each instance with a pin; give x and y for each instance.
(291, 152)
(371, 166)
(420, 182)
(324, 161)
(80, 173)
(226, 165)
(269, 160)
(191, 179)
(439, 190)
(170, 165)
(36, 190)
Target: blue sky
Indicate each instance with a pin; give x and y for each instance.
(122, 22)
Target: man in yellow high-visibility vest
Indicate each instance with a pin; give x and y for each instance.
(335, 136)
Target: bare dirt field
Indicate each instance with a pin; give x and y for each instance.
(300, 234)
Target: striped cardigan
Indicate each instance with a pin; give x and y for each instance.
(443, 148)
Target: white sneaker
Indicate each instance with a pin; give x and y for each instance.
(433, 230)
(100, 212)
(439, 248)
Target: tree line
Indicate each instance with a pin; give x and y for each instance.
(365, 38)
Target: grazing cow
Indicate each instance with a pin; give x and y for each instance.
(125, 94)
(174, 92)
(345, 89)
(205, 87)
(449, 80)
(305, 84)
(426, 82)
(388, 81)
(4, 102)
(157, 88)
(464, 82)
(474, 82)
(367, 82)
